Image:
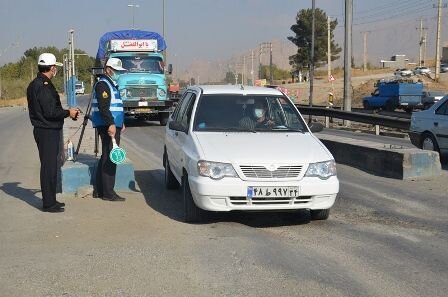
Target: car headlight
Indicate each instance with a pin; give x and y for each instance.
(322, 170)
(216, 170)
(162, 93)
(123, 93)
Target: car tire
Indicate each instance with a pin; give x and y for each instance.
(366, 105)
(192, 213)
(429, 143)
(319, 214)
(163, 118)
(171, 182)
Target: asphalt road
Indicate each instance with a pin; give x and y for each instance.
(384, 237)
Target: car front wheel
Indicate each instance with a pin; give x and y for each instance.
(320, 214)
(429, 143)
(171, 182)
(192, 213)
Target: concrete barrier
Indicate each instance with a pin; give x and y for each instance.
(383, 159)
(75, 175)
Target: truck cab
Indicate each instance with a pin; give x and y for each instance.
(143, 86)
(390, 95)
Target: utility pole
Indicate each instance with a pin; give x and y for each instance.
(347, 57)
(425, 42)
(439, 21)
(329, 47)
(421, 41)
(313, 24)
(72, 53)
(365, 52)
(243, 79)
(266, 46)
(252, 68)
(259, 61)
(271, 74)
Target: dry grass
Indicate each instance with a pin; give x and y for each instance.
(13, 102)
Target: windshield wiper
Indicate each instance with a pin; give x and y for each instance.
(224, 129)
(287, 129)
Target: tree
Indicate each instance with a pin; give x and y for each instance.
(230, 78)
(302, 39)
(277, 73)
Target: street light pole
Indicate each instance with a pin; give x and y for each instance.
(133, 19)
(163, 31)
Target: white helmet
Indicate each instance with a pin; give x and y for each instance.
(116, 64)
(48, 59)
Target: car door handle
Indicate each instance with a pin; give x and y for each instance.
(436, 124)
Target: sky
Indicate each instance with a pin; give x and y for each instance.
(210, 30)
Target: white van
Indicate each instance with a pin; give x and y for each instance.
(79, 88)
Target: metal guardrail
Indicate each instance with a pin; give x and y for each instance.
(378, 120)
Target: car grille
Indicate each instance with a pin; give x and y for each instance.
(142, 92)
(270, 201)
(263, 172)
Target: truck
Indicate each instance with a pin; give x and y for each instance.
(391, 95)
(142, 87)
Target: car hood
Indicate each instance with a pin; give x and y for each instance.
(261, 147)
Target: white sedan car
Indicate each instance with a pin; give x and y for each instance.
(429, 128)
(249, 149)
(423, 70)
(403, 72)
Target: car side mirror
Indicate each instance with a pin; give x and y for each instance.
(177, 126)
(316, 127)
(170, 68)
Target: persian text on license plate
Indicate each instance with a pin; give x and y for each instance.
(272, 192)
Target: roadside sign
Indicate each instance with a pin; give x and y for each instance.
(331, 78)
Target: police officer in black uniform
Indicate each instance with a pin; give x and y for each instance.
(108, 118)
(47, 117)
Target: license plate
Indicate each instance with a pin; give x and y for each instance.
(142, 103)
(272, 192)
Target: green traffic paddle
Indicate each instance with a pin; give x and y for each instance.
(117, 154)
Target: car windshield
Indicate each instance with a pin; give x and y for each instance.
(143, 64)
(254, 113)
(78, 86)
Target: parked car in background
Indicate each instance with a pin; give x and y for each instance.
(403, 72)
(443, 68)
(422, 70)
(431, 97)
(79, 88)
(247, 149)
(429, 128)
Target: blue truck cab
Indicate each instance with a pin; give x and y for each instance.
(390, 95)
(143, 86)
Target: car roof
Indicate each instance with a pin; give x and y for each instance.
(236, 89)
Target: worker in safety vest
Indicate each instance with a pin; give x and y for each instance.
(108, 117)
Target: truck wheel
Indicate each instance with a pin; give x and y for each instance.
(171, 182)
(192, 213)
(429, 143)
(366, 105)
(390, 105)
(319, 214)
(408, 109)
(163, 118)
